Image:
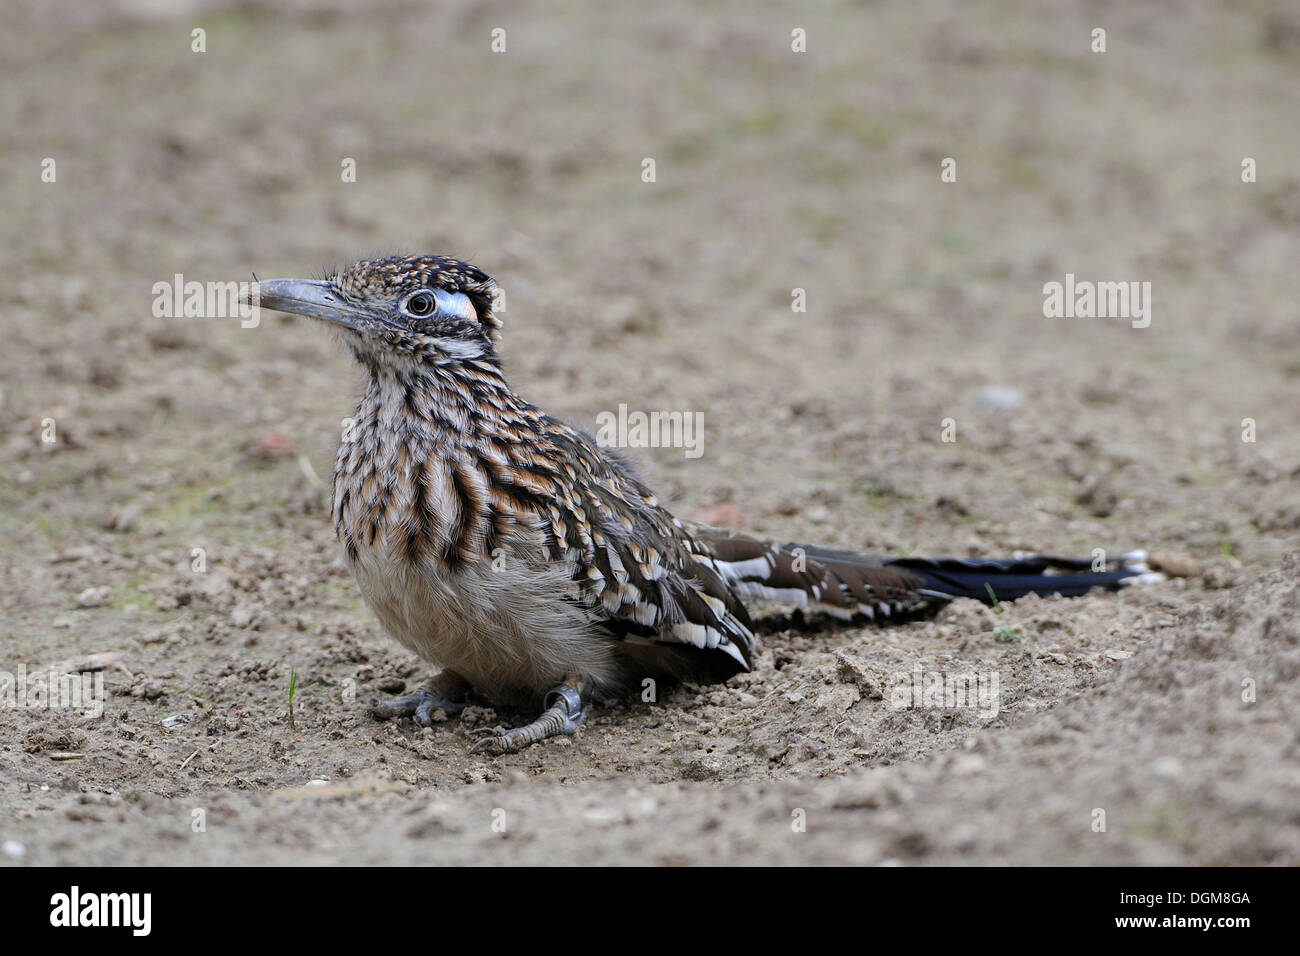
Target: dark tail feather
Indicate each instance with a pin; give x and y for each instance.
(1005, 579)
(848, 585)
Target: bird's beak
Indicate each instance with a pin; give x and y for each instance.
(307, 297)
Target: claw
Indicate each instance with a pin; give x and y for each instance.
(565, 713)
(489, 743)
(419, 707)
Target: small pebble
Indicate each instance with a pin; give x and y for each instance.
(999, 398)
(94, 597)
(126, 520)
(149, 690)
(1167, 768)
(1175, 565)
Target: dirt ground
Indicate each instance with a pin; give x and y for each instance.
(1154, 726)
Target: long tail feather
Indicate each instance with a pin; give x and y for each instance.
(849, 585)
(1005, 579)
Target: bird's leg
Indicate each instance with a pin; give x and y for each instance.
(566, 709)
(445, 692)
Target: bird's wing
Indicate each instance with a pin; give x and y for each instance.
(632, 560)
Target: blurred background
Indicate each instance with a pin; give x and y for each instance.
(775, 170)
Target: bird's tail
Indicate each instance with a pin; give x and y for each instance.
(847, 585)
(1005, 579)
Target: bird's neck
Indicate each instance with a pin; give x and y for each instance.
(453, 402)
(416, 457)
(435, 416)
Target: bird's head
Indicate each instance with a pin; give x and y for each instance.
(399, 310)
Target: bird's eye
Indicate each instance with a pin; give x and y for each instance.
(421, 304)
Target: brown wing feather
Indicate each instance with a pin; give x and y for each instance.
(843, 584)
(631, 557)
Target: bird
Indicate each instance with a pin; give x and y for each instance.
(533, 568)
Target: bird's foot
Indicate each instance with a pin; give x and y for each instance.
(419, 707)
(564, 714)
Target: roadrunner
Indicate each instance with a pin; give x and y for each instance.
(533, 567)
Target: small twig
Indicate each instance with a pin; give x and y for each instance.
(91, 663)
(188, 759)
(304, 465)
